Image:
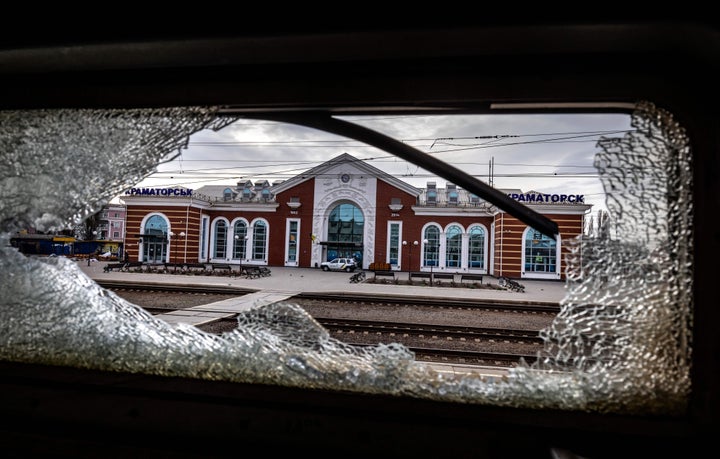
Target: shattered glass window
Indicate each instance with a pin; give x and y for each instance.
(620, 344)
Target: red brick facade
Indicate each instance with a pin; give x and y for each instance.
(304, 203)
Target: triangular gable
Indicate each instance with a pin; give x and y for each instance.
(342, 159)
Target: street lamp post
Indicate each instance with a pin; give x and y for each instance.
(174, 242)
(432, 263)
(244, 248)
(405, 243)
(235, 250)
(94, 233)
(173, 247)
(182, 236)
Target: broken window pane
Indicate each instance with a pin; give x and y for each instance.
(621, 342)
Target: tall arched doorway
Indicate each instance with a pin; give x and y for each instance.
(155, 240)
(346, 224)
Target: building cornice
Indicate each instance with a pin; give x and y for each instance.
(167, 201)
(243, 207)
(451, 211)
(562, 209)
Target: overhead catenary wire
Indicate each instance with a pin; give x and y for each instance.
(234, 169)
(317, 143)
(325, 122)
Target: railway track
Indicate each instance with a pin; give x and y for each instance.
(157, 287)
(442, 331)
(440, 303)
(489, 359)
(502, 346)
(424, 351)
(355, 299)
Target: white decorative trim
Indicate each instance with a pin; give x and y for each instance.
(328, 193)
(451, 212)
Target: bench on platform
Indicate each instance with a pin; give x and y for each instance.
(221, 267)
(450, 276)
(384, 273)
(153, 267)
(472, 277)
(133, 264)
(174, 266)
(195, 266)
(419, 275)
(250, 272)
(111, 266)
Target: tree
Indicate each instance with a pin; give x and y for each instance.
(87, 230)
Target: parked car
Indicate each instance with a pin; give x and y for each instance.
(339, 264)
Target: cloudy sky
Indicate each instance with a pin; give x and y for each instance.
(545, 153)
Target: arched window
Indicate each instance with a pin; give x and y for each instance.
(259, 242)
(156, 226)
(227, 194)
(540, 253)
(431, 241)
(453, 247)
(476, 247)
(346, 226)
(239, 240)
(220, 233)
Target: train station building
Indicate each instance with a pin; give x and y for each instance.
(348, 208)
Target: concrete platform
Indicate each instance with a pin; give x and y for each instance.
(293, 281)
(199, 315)
(285, 283)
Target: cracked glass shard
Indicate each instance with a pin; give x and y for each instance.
(620, 344)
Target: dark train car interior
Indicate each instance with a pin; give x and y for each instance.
(529, 67)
